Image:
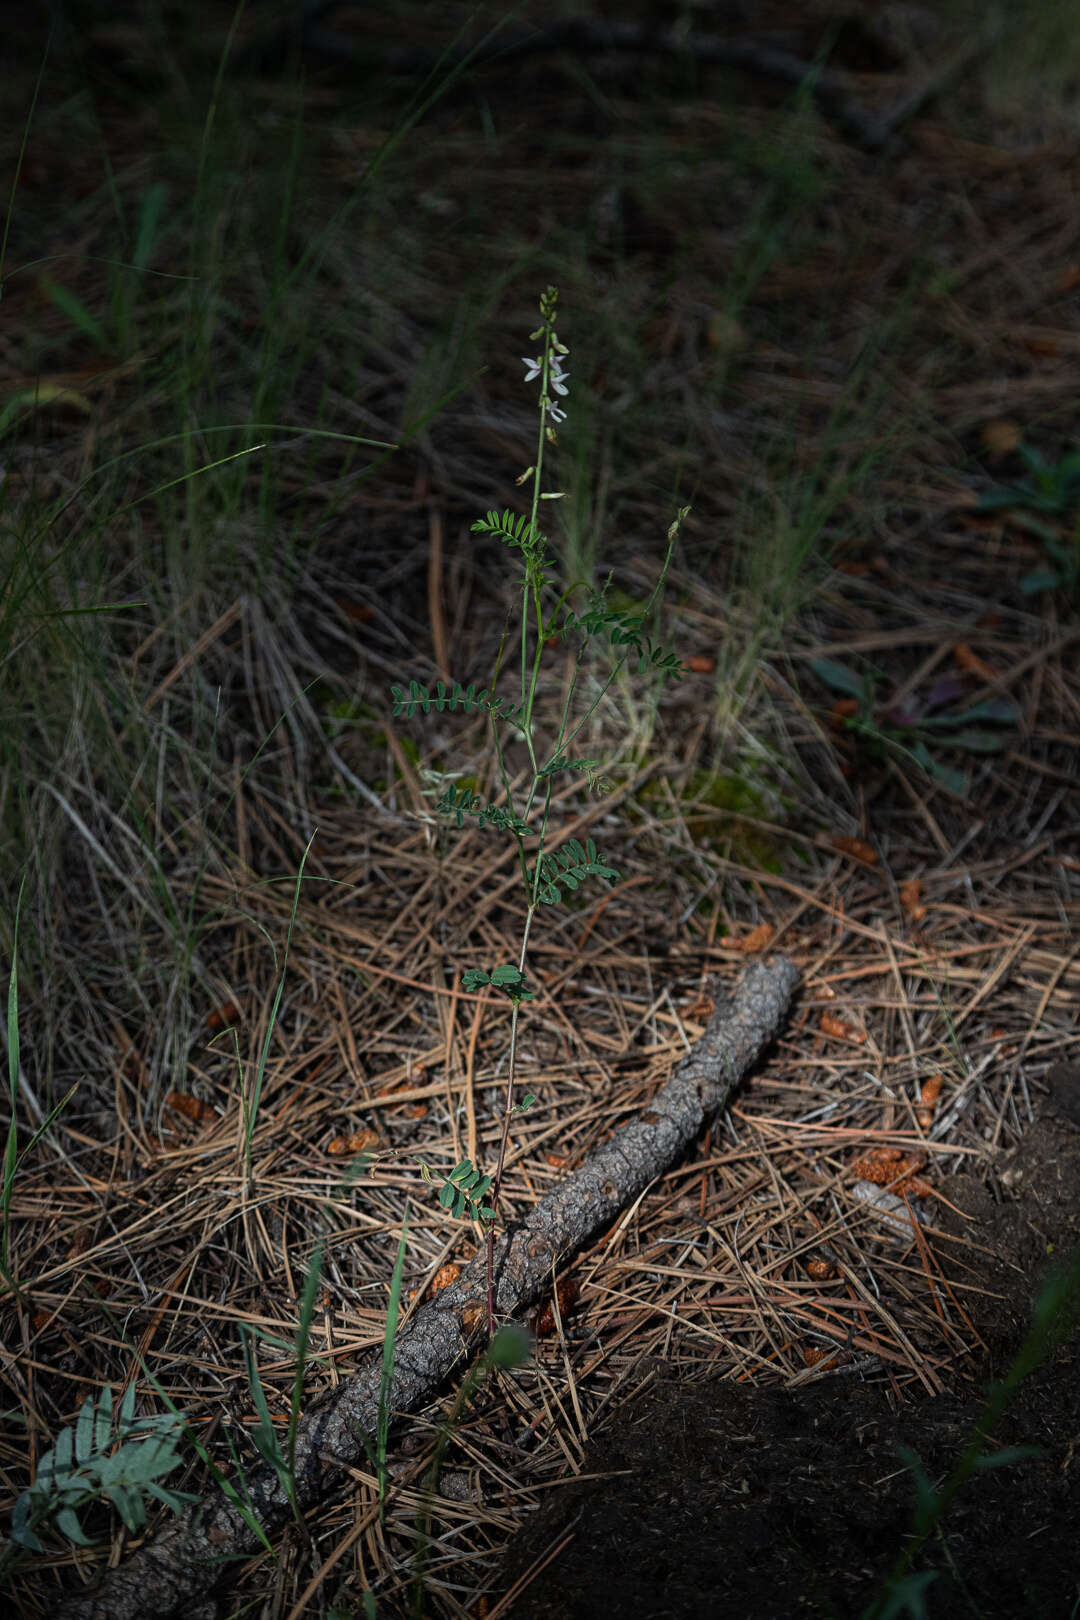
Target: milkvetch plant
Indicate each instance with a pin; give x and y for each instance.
(549, 875)
(121, 1459)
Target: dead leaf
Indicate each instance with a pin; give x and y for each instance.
(192, 1108)
(931, 1089)
(567, 1291)
(1043, 346)
(359, 1142)
(1000, 436)
(222, 1017)
(757, 939)
(443, 1278)
(820, 1270)
(724, 333)
(815, 1355)
(972, 664)
(840, 1030)
(857, 848)
(700, 664)
(909, 899)
(472, 1317)
(887, 1171)
(81, 1240)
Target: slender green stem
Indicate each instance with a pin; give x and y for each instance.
(508, 1112)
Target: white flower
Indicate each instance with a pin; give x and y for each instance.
(555, 413)
(533, 367)
(557, 376)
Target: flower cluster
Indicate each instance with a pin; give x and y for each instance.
(553, 376)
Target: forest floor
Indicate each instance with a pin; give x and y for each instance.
(859, 369)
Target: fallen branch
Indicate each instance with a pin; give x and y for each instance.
(179, 1570)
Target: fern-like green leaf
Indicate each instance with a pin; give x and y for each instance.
(626, 630)
(462, 802)
(465, 698)
(511, 529)
(568, 868)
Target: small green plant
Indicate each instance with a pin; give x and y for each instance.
(1055, 1318)
(282, 1459)
(1052, 489)
(920, 729)
(250, 1105)
(97, 1459)
(386, 1372)
(508, 1348)
(549, 875)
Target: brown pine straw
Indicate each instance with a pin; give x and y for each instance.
(176, 1571)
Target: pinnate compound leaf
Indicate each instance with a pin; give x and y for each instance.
(510, 980)
(171, 1496)
(568, 867)
(625, 630)
(466, 698)
(463, 802)
(512, 529)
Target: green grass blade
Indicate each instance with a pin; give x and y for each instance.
(386, 1376)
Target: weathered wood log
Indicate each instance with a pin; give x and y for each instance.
(179, 1570)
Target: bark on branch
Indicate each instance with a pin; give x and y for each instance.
(178, 1572)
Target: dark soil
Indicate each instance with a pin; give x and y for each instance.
(716, 1499)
